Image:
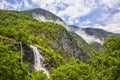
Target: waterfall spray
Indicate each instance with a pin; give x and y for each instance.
(39, 60)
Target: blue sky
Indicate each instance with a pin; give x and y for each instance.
(83, 13)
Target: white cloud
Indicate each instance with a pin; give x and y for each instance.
(115, 18)
(72, 10)
(114, 27)
(88, 38)
(27, 4)
(4, 4)
(78, 8)
(111, 3)
(75, 11)
(112, 24)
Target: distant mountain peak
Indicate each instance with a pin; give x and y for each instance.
(94, 34)
(44, 15)
(87, 37)
(88, 34)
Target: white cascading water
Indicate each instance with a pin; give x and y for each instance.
(39, 60)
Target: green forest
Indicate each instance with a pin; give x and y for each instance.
(18, 27)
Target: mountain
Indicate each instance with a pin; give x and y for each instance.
(99, 34)
(93, 36)
(88, 34)
(45, 16)
(37, 39)
(42, 15)
(48, 36)
(57, 45)
(39, 14)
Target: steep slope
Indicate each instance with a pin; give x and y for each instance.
(45, 16)
(86, 48)
(56, 44)
(93, 36)
(42, 15)
(97, 33)
(25, 40)
(39, 13)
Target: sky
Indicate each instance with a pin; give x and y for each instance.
(103, 14)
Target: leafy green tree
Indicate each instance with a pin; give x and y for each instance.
(10, 66)
(108, 64)
(38, 75)
(74, 70)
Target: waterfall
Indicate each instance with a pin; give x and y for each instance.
(39, 60)
(21, 49)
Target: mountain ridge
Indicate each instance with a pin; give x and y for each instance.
(30, 47)
(93, 36)
(46, 16)
(55, 42)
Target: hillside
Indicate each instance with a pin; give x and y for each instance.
(34, 49)
(94, 37)
(55, 42)
(46, 16)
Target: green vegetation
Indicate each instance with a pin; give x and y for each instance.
(10, 66)
(12, 69)
(22, 28)
(16, 27)
(108, 64)
(85, 47)
(98, 47)
(74, 70)
(105, 66)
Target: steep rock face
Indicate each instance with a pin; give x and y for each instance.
(15, 46)
(64, 42)
(55, 43)
(86, 48)
(69, 45)
(88, 34)
(44, 15)
(28, 57)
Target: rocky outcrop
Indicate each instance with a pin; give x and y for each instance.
(65, 42)
(28, 55)
(41, 13)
